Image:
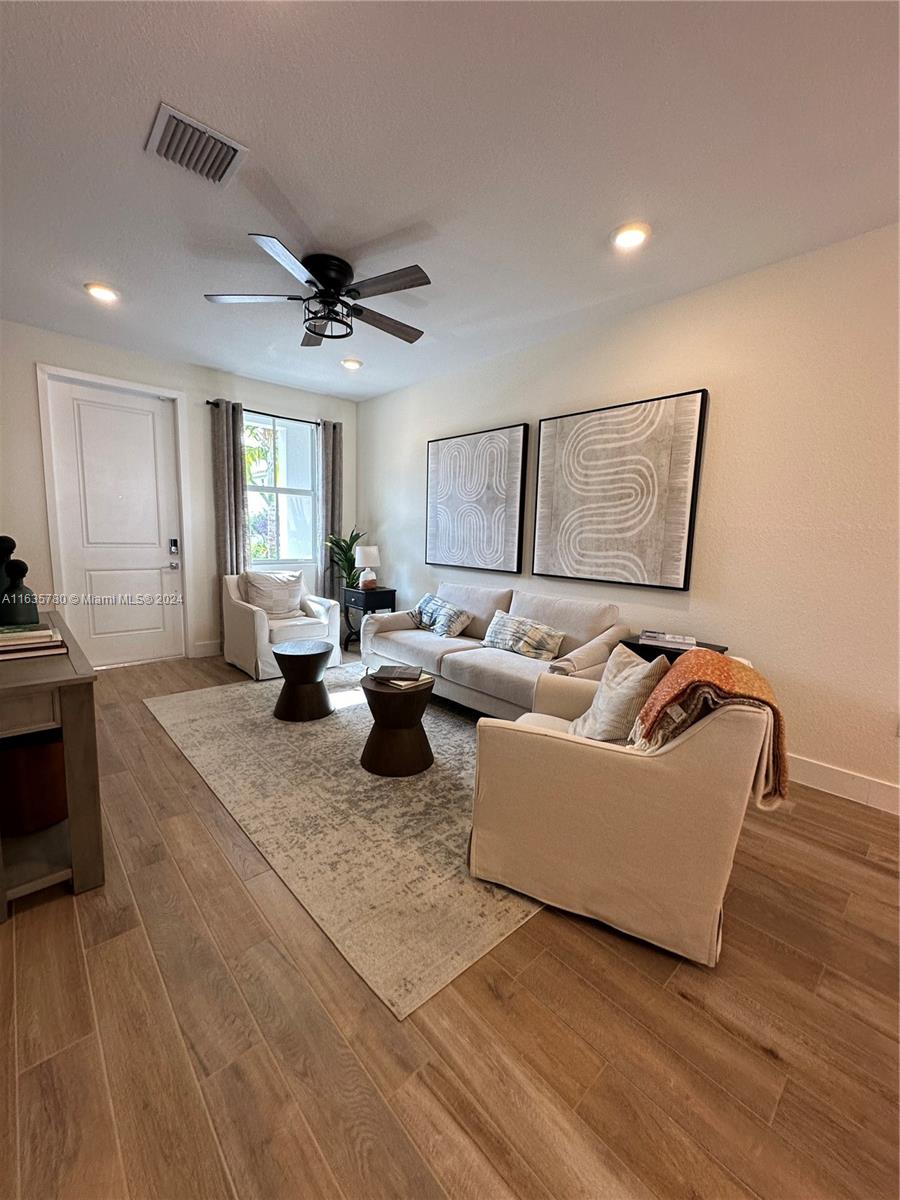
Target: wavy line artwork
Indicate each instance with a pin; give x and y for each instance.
(474, 500)
(616, 491)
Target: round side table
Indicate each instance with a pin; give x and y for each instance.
(397, 743)
(304, 696)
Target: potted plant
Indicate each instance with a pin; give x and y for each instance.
(342, 555)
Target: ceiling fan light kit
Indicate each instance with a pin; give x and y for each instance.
(328, 313)
(326, 318)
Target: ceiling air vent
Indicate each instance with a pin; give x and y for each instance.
(196, 147)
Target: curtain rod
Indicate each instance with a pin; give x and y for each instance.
(302, 420)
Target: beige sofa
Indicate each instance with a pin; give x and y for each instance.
(640, 840)
(492, 681)
(249, 634)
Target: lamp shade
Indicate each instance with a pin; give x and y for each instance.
(367, 556)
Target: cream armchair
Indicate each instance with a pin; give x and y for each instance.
(250, 634)
(641, 841)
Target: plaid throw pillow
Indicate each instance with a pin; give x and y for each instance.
(446, 620)
(522, 636)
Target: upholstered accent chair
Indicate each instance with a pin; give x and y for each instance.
(250, 634)
(643, 841)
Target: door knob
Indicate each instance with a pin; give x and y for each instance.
(173, 566)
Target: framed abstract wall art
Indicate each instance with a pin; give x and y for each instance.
(475, 500)
(617, 492)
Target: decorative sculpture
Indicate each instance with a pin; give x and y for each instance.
(18, 603)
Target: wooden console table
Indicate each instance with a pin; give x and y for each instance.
(55, 692)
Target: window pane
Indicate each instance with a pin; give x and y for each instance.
(259, 451)
(262, 525)
(295, 523)
(296, 441)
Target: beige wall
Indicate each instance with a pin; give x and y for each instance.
(23, 508)
(795, 555)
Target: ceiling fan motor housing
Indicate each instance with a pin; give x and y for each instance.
(333, 273)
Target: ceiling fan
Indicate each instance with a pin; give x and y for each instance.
(330, 309)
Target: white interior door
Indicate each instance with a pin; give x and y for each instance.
(115, 490)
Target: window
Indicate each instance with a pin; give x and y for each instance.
(282, 505)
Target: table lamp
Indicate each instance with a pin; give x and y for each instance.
(367, 558)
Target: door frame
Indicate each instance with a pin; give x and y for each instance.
(47, 375)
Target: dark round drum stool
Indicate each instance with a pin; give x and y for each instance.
(397, 743)
(304, 696)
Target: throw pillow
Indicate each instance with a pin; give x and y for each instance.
(278, 593)
(439, 616)
(523, 636)
(624, 689)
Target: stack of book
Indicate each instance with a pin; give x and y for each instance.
(669, 641)
(401, 677)
(30, 641)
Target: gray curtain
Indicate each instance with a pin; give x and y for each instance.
(229, 488)
(331, 503)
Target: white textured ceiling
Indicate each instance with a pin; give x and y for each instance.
(495, 144)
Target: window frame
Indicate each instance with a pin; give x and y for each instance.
(272, 419)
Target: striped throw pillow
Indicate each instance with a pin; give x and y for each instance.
(624, 689)
(440, 617)
(523, 636)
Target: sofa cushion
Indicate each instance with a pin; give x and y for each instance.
(440, 616)
(419, 647)
(521, 635)
(278, 593)
(625, 687)
(296, 628)
(580, 620)
(509, 677)
(482, 603)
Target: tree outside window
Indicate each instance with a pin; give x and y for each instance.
(282, 505)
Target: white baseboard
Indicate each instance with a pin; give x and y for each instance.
(205, 649)
(877, 793)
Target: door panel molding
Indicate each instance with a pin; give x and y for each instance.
(47, 375)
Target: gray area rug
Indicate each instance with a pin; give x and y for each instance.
(380, 864)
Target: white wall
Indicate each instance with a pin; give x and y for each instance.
(795, 554)
(23, 508)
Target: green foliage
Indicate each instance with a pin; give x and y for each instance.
(342, 555)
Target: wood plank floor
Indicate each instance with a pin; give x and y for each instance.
(189, 1032)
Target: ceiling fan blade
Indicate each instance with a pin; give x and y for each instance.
(393, 281)
(311, 339)
(387, 324)
(250, 299)
(282, 255)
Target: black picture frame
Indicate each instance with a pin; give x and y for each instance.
(520, 505)
(695, 487)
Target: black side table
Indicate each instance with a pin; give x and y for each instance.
(397, 743)
(671, 652)
(366, 600)
(304, 696)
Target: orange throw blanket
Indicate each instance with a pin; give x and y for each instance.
(698, 682)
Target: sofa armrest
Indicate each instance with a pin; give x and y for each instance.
(562, 696)
(588, 661)
(375, 623)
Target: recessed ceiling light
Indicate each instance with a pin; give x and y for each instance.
(102, 292)
(630, 236)
(351, 364)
